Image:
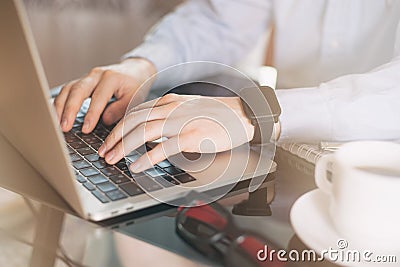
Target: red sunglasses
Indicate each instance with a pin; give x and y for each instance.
(210, 229)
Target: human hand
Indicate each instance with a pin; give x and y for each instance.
(120, 80)
(191, 124)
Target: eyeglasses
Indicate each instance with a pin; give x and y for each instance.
(210, 229)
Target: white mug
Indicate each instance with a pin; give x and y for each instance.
(364, 192)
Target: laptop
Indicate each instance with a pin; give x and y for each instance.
(68, 162)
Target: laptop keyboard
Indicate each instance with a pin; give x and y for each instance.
(115, 182)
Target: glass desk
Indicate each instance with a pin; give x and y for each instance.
(34, 234)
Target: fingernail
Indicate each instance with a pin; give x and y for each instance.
(64, 123)
(135, 167)
(110, 156)
(102, 150)
(86, 126)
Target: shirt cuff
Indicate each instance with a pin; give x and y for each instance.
(305, 115)
(159, 54)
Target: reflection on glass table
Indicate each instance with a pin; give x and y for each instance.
(33, 234)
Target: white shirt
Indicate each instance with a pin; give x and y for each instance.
(339, 58)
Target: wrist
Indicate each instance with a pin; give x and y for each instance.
(146, 67)
(277, 131)
(262, 108)
(235, 104)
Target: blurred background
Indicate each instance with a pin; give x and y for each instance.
(74, 36)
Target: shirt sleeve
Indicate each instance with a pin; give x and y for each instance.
(351, 107)
(220, 31)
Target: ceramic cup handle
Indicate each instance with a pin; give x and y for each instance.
(321, 178)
